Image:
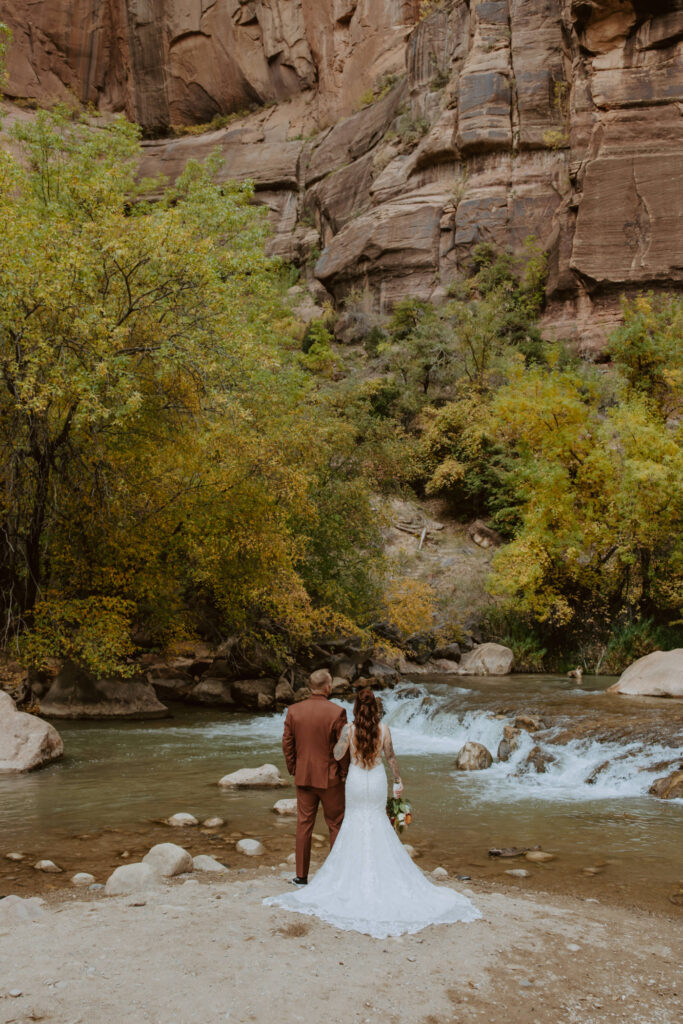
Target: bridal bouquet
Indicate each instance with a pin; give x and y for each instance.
(400, 812)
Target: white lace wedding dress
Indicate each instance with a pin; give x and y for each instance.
(369, 883)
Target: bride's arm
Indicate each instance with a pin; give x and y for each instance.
(390, 756)
(342, 744)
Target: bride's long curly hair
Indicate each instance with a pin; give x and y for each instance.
(367, 712)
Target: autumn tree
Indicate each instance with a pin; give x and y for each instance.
(160, 456)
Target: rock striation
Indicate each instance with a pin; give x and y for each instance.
(491, 121)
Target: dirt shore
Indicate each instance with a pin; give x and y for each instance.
(205, 951)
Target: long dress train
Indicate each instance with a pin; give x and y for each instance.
(369, 883)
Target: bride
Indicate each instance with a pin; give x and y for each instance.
(369, 882)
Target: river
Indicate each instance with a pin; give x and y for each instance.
(590, 807)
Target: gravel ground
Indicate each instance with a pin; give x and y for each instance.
(206, 951)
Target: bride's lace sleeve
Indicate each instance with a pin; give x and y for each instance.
(342, 744)
(388, 749)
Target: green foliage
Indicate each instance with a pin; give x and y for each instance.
(164, 466)
(316, 333)
(635, 639)
(648, 350)
(599, 496)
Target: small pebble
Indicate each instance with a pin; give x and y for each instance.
(517, 872)
(572, 947)
(14, 856)
(46, 865)
(14, 992)
(412, 959)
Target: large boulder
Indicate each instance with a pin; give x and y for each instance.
(443, 666)
(473, 757)
(284, 692)
(265, 777)
(659, 674)
(75, 693)
(670, 787)
(168, 859)
(487, 660)
(213, 691)
(26, 742)
(131, 878)
(254, 694)
(170, 682)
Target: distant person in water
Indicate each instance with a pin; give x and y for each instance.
(312, 729)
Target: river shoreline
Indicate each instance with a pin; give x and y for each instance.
(208, 950)
(102, 804)
(100, 854)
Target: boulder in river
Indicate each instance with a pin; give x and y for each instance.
(167, 860)
(285, 807)
(170, 682)
(182, 820)
(539, 760)
(670, 787)
(509, 742)
(530, 723)
(213, 691)
(131, 878)
(659, 674)
(341, 688)
(379, 674)
(284, 692)
(250, 847)
(473, 757)
(487, 660)
(213, 822)
(266, 776)
(254, 694)
(76, 693)
(26, 742)
(443, 666)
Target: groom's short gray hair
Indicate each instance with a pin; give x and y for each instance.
(320, 678)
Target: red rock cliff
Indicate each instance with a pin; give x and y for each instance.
(557, 118)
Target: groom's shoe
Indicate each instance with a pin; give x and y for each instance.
(299, 881)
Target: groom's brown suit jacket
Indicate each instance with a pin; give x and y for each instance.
(312, 728)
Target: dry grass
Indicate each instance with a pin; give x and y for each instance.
(294, 930)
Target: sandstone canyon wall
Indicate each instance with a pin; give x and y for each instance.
(561, 119)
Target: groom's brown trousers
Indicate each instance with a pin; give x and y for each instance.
(307, 799)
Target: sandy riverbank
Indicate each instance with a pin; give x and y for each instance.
(206, 951)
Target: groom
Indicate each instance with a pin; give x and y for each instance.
(312, 727)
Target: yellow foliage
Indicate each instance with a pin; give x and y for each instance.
(410, 606)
